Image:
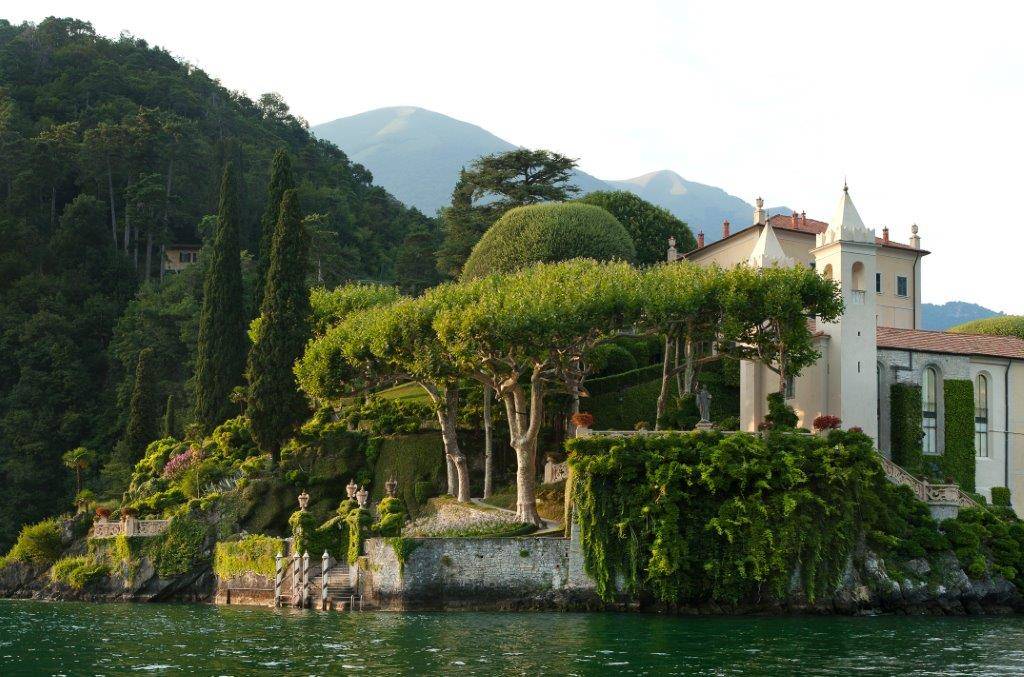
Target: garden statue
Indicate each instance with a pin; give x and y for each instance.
(391, 486)
(704, 406)
(303, 501)
(351, 488)
(361, 496)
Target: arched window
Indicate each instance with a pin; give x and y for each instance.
(929, 410)
(981, 415)
(827, 272)
(857, 276)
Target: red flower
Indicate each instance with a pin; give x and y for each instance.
(827, 422)
(583, 419)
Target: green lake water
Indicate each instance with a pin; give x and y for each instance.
(75, 638)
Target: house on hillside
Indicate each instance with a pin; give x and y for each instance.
(878, 368)
(178, 257)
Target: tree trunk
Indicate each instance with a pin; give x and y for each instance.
(688, 373)
(488, 443)
(447, 405)
(110, 192)
(679, 379)
(149, 252)
(53, 206)
(666, 376)
(524, 428)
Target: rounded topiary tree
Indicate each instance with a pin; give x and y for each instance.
(547, 233)
(649, 225)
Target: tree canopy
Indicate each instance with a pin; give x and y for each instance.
(547, 233)
(650, 226)
(1006, 325)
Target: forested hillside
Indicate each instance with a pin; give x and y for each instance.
(110, 149)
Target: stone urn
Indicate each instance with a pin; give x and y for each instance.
(361, 496)
(391, 487)
(303, 501)
(351, 488)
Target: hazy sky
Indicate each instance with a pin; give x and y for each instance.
(919, 104)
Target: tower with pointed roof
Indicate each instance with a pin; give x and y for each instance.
(846, 253)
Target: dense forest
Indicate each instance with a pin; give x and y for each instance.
(110, 150)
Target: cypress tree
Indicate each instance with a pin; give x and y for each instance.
(142, 412)
(169, 422)
(275, 404)
(220, 359)
(281, 179)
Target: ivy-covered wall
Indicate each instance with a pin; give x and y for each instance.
(958, 458)
(253, 553)
(905, 416)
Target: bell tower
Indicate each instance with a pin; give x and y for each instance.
(845, 252)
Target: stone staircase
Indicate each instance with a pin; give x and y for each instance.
(338, 592)
(944, 500)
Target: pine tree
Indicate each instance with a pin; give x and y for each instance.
(220, 359)
(169, 419)
(281, 179)
(275, 404)
(142, 412)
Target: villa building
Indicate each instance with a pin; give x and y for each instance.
(178, 257)
(878, 343)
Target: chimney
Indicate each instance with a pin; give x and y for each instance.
(794, 218)
(803, 219)
(885, 234)
(915, 239)
(725, 229)
(700, 240)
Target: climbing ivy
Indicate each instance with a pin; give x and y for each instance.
(253, 553)
(957, 460)
(314, 538)
(358, 522)
(905, 426)
(702, 516)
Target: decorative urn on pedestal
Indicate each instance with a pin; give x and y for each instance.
(351, 488)
(391, 487)
(361, 496)
(303, 501)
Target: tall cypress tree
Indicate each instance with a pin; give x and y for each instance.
(169, 418)
(275, 404)
(143, 412)
(281, 179)
(220, 359)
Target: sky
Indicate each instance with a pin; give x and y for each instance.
(918, 105)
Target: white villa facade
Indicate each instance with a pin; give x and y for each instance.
(878, 341)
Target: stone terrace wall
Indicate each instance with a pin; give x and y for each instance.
(506, 573)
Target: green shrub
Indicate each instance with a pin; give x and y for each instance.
(78, 572)
(358, 521)
(618, 382)
(254, 553)
(906, 433)
(390, 517)
(409, 459)
(683, 416)
(309, 536)
(546, 233)
(707, 517)
(1001, 496)
(38, 544)
(182, 546)
(958, 457)
(382, 416)
(423, 491)
(609, 358)
(780, 415)
(648, 225)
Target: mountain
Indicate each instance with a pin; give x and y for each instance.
(941, 317)
(416, 155)
(703, 207)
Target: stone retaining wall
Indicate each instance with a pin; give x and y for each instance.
(506, 573)
(247, 589)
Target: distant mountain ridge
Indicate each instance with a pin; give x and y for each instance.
(941, 317)
(416, 154)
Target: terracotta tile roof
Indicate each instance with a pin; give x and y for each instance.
(950, 343)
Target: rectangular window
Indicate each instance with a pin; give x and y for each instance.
(182, 257)
(878, 283)
(790, 388)
(901, 285)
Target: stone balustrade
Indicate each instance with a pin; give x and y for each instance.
(129, 526)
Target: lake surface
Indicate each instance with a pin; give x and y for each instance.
(76, 638)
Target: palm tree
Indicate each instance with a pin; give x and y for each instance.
(78, 459)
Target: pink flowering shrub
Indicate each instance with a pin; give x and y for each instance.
(178, 464)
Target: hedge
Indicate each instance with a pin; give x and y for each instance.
(958, 458)
(627, 379)
(254, 553)
(554, 231)
(1001, 496)
(905, 426)
(411, 460)
(698, 517)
